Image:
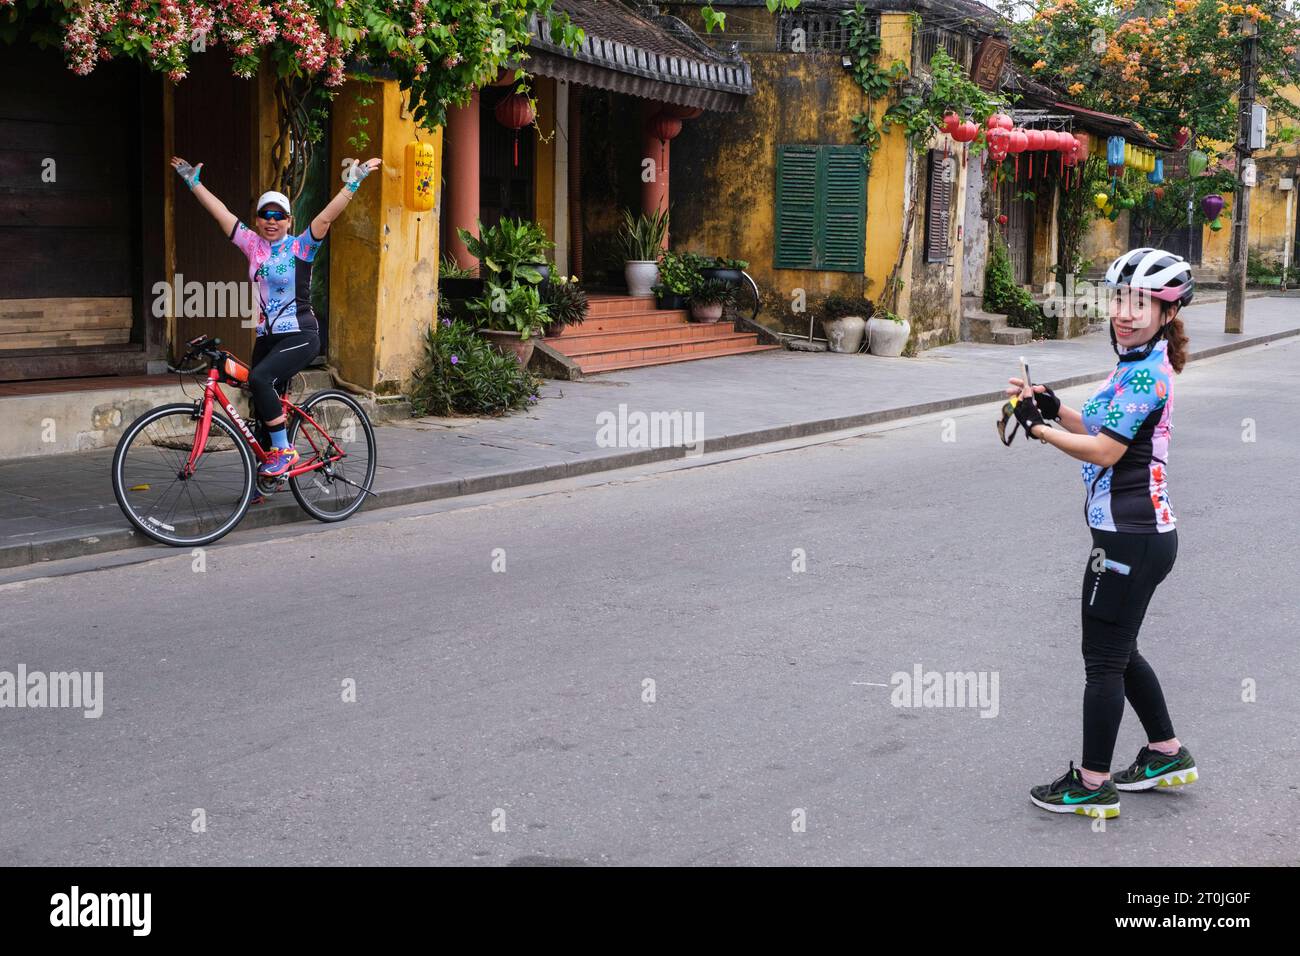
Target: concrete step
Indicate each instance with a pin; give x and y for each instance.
(1012, 336)
(980, 326)
(574, 343)
(618, 321)
(600, 305)
(714, 350)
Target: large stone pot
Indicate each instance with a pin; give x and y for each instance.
(509, 343)
(641, 276)
(844, 334)
(887, 337)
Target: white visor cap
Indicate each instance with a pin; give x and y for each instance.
(271, 197)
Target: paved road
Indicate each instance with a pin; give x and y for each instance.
(522, 691)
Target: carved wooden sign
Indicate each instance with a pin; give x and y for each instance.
(990, 61)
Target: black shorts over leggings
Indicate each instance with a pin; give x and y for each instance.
(1114, 603)
(276, 360)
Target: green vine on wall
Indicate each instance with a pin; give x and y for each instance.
(916, 105)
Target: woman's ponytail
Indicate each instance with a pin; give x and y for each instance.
(1176, 334)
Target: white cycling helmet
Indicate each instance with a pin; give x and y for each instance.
(1164, 275)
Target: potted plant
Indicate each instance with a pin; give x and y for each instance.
(678, 277)
(844, 319)
(513, 249)
(887, 333)
(455, 282)
(708, 300)
(565, 302)
(510, 317)
(728, 270)
(641, 241)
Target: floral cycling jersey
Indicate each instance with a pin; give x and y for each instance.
(282, 273)
(1133, 407)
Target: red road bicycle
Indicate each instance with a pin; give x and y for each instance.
(185, 475)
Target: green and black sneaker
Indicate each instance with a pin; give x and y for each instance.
(1067, 794)
(1153, 769)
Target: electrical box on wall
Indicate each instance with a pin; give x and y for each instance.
(1258, 127)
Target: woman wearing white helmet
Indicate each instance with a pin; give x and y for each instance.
(1122, 436)
(279, 264)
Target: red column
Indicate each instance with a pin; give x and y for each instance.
(462, 202)
(654, 194)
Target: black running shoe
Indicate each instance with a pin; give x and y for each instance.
(1067, 794)
(1153, 769)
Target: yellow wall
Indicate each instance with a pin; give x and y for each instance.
(544, 167)
(384, 260)
(723, 187)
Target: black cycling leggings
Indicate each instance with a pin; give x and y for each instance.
(1114, 602)
(276, 360)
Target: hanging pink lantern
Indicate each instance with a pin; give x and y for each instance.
(1212, 205)
(1000, 121)
(515, 112)
(1050, 139)
(681, 112)
(1035, 137)
(1017, 143)
(1065, 143)
(950, 122)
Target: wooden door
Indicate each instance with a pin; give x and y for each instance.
(69, 192)
(505, 189)
(1019, 231)
(214, 125)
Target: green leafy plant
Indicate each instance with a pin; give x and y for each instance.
(448, 268)
(360, 139)
(738, 264)
(642, 238)
(508, 250)
(679, 272)
(1003, 296)
(565, 302)
(464, 374)
(883, 313)
(837, 306)
(713, 292)
(514, 308)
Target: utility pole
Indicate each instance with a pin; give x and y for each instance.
(1240, 244)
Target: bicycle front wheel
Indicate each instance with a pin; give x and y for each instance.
(333, 432)
(160, 499)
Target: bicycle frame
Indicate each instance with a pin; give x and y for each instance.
(212, 394)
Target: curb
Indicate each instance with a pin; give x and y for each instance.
(114, 539)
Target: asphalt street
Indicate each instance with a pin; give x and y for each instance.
(501, 649)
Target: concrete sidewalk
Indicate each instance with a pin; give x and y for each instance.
(62, 505)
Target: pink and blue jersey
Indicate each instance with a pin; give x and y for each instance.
(282, 274)
(1133, 407)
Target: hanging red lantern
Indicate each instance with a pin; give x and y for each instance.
(1065, 144)
(1000, 121)
(998, 139)
(950, 122)
(1017, 143)
(515, 112)
(965, 133)
(1035, 137)
(1181, 137)
(681, 112)
(663, 128)
(1159, 192)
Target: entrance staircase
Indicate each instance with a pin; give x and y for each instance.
(623, 331)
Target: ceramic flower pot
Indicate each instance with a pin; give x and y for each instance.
(641, 276)
(707, 313)
(845, 333)
(509, 343)
(888, 338)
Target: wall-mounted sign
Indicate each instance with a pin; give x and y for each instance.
(989, 63)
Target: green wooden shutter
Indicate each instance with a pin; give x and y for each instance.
(821, 198)
(796, 207)
(843, 208)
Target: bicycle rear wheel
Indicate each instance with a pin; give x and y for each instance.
(338, 435)
(746, 301)
(155, 496)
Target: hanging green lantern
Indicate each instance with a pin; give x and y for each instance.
(1196, 163)
(1216, 225)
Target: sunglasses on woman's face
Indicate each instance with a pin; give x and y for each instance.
(272, 215)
